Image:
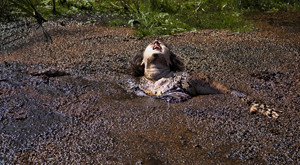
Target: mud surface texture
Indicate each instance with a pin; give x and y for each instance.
(61, 103)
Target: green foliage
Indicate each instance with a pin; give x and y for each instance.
(166, 17)
(157, 23)
(159, 17)
(118, 22)
(29, 8)
(67, 8)
(6, 11)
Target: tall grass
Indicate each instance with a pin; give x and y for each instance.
(166, 17)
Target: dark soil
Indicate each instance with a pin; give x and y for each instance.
(84, 116)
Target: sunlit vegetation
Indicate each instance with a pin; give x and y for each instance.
(152, 17)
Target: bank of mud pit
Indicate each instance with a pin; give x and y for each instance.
(84, 116)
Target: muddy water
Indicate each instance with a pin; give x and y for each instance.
(93, 121)
(86, 117)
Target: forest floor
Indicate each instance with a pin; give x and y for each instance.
(85, 116)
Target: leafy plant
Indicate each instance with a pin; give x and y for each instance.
(155, 17)
(29, 7)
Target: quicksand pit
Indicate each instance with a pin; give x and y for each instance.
(86, 117)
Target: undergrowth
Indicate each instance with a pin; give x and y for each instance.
(155, 17)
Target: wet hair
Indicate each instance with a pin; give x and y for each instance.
(138, 70)
(135, 65)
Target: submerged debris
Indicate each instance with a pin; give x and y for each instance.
(264, 109)
(50, 73)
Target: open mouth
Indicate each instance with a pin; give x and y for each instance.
(156, 45)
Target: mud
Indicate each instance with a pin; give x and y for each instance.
(84, 116)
